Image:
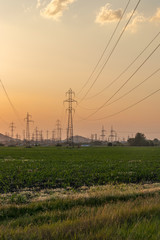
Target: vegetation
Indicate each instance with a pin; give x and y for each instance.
(140, 140)
(113, 212)
(61, 168)
(46, 193)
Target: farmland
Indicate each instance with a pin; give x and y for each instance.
(61, 167)
(81, 193)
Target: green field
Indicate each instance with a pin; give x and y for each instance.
(103, 193)
(61, 167)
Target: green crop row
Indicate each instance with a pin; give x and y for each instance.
(50, 167)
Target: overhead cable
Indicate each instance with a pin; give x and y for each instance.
(112, 51)
(103, 105)
(10, 102)
(127, 108)
(126, 69)
(105, 48)
(138, 85)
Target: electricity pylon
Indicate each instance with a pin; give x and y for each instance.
(12, 127)
(103, 133)
(28, 121)
(53, 136)
(58, 130)
(70, 94)
(36, 135)
(113, 136)
(47, 134)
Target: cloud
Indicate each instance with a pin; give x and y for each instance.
(38, 3)
(133, 26)
(156, 17)
(56, 8)
(107, 15)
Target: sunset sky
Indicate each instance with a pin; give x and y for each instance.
(49, 46)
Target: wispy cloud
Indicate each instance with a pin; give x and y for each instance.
(156, 17)
(56, 8)
(107, 15)
(137, 20)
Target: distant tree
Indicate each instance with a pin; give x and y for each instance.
(139, 140)
(131, 141)
(156, 142)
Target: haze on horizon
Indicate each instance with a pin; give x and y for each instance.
(49, 46)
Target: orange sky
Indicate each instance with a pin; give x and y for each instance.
(48, 47)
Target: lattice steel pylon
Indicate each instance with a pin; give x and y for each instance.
(103, 133)
(28, 121)
(70, 94)
(12, 127)
(58, 130)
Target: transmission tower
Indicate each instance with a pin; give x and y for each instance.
(36, 135)
(41, 136)
(58, 130)
(103, 134)
(70, 110)
(92, 137)
(28, 121)
(12, 127)
(113, 136)
(53, 136)
(47, 134)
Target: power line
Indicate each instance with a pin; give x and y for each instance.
(102, 106)
(10, 102)
(94, 69)
(119, 38)
(134, 87)
(126, 69)
(125, 109)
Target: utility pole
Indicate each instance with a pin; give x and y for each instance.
(36, 135)
(53, 136)
(24, 135)
(92, 137)
(28, 121)
(33, 136)
(12, 127)
(41, 136)
(70, 110)
(47, 133)
(95, 136)
(103, 134)
(59, 130)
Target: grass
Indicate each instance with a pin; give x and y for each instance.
(87, 193)
(121, 212)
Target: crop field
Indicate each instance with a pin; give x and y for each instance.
(62, 167)
(82, 193)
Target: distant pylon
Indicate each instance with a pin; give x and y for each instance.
(103, 133)
(12, 127)
(36, 135)
(28, 121)
(112, 136)
(41, 135)
(53, 136)
(58, 130)
(92, 137)
(70, 110)
(47, 134)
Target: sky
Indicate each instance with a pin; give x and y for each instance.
(50, 46)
